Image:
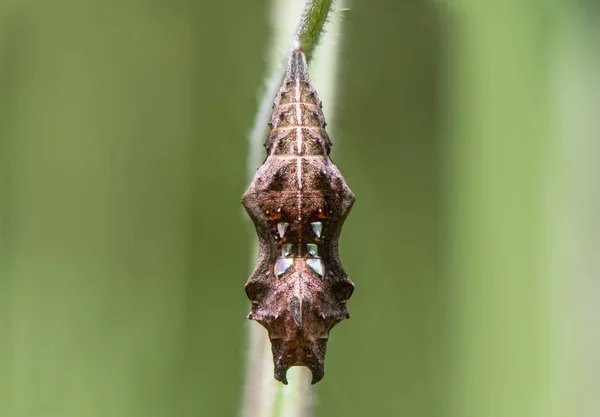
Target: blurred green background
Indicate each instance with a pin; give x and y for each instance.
(466, 129)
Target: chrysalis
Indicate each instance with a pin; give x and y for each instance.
(298, 201)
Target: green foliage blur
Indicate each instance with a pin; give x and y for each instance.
(124, 249)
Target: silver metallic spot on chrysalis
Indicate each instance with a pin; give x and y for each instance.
(313, 249)
(316, 265)
(282, 228)
(317, 228)
(286, 250)
(282, 265)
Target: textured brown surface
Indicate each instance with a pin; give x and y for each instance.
(298, 296)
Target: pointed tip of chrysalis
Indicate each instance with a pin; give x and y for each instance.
(297, 67)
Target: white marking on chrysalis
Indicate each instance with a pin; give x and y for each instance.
(316, 265)
(299, 172)
(299, 139)
(282, 228)
(317, 228)
(282, 265)
(297, 97)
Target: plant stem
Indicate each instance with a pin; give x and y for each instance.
(264, 396)
(311, 25)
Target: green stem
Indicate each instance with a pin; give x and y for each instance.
(264, 396)
(311, 25)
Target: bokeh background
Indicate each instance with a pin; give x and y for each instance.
(467, 129)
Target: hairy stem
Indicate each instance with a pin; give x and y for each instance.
(263, 396)
(311, 25)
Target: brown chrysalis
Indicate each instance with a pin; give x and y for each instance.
(298, 201)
